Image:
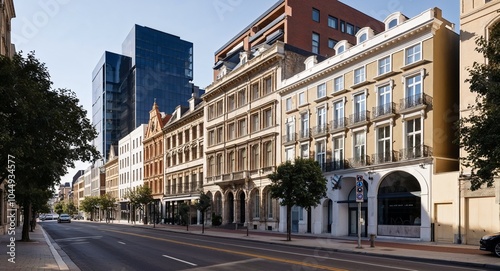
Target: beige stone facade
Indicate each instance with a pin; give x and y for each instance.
(184, 160)
(7, 12)
(380, 109)
(111, 176)
(475, 213)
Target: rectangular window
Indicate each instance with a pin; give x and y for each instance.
(231, 131)
(255, 91)
(321, 90)
(302, 98)
(268, 118)
(383, 144)
(359, 75)
(333, 22)
(290, 131)
(413, 54)
(304, 150)
(359, 147)
(242, 127)
(211, 114)
(331, 43)
(242, 98)
(384, 100)
(321, 153)
(414, 138)
(338, 115)
(230, 103)
(338, 152)
(350, 29)
(289, 104)
(268, 85)
(342, 26)
(338, 83)
(413, 91)
(304, 125)
(220, 135)
(255, 122)
(220, 108)
(315, 15)
(384, 65)
(359, 108)
(321, 119)
(315, 43)
(289, 154)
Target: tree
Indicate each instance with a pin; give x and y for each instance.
(89, 205)
(202, 205)
(59, 207)
(107, 203)
(70, 208)
(479, 133)
(140, 197)
(299, 183)
(43, 131)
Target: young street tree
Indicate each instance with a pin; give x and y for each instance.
(140, 197)
(43, 131)
(202, 205)
(479, 133)
(299, 183)
(89, 205)
(107, 203)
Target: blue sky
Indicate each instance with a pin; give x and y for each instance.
(70, 36)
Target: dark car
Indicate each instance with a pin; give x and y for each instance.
(491, 242)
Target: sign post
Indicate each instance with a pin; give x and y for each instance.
(359, 200)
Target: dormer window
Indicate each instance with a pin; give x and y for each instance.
(393, 20)
(341, 46)
(364, 34)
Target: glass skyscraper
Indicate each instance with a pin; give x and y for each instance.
(153, 66)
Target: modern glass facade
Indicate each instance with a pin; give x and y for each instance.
(153, 66)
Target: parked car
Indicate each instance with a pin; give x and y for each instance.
(491, 242)
(48, 217)
(64, 218)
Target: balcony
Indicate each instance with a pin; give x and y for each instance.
(335, 165)
(338, 125)
(385, 157)
(415, 103)
(359, 119)
(419, 151)
(384, 111)
(361, 161)
(305, 135)
(320, 130)
(289, 139)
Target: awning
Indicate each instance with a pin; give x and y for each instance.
(180, 198)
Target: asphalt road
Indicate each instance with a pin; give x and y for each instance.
(99, 246)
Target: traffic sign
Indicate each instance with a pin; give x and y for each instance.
(359, 188)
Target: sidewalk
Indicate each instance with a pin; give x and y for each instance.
(43, 254)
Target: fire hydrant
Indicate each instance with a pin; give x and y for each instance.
(372, 240)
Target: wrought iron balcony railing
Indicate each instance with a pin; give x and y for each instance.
(415, 101)
(360, 161)
(385, 109)
(320, 130)
(418, 151)
(338, 124)
(359, 117)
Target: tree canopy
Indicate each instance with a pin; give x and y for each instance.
(479, 132)
(140, 196)
(43, 131)
(299, 183)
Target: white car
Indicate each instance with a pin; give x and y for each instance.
(64, 218)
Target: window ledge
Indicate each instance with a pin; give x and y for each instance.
(385, 75)
(414, 64)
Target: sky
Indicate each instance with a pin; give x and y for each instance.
(70, 36)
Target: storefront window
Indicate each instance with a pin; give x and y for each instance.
(399, 200)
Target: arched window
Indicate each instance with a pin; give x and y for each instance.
(256, 204)
(231, 162)
(211, 165)
(219, 164)
(392, 23)
(399, 200)
(255, 157)
(270, 209)
(243, 159)
(363, 37)
(341, 49)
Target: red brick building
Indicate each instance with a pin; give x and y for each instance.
(313, 25)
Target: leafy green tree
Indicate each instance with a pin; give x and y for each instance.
(89, 205)
(43, 131)
(184, 214)
(70, 208)
(59, 207)
(140, 197)
(299, 183)
(202, 205)
(479, 133)
(107, 203)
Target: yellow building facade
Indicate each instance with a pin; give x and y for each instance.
(478, 212)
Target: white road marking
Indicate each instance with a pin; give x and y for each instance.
(179, 260)
(121, 243)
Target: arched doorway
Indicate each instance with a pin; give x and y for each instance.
(230, 207)
(399, 205)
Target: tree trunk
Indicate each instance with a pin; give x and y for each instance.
(203, 222)
(289, 223)
(26, 221)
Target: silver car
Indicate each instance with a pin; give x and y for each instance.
(64, 218)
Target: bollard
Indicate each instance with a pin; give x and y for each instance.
(372, 240)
